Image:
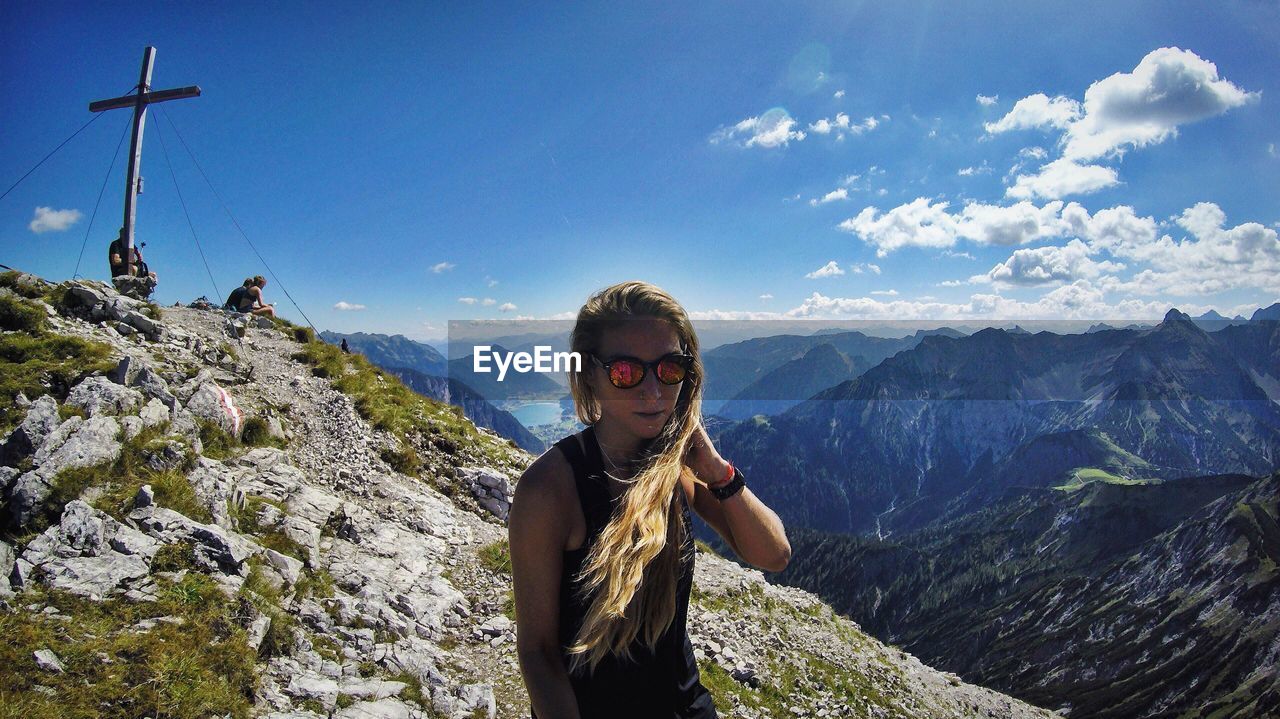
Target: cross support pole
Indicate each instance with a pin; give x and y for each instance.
(138, 101)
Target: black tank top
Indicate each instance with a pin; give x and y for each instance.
(660, 683)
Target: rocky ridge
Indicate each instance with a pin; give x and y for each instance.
(269, 516)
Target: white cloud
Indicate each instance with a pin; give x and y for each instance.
(1047, 265)
(1063, 177)
(983, 169)
(766, 297)
(1080, 300)
(507, 307)
(1033, 153)
(47, 219)
(953, 253)
(833, 196)
(850, 179)
(442, 267)
(881, 192)
(918, 223)
(921, 223)
(1213, 259)
(491, 282)
(831, 269)
(889, 293)
(467, 300)
(347, 307)
(1168, 88)
(841, 125)
(774, 128)
(488, 302)
(1037, 111)
(1271, 149)
(987, 100)
(838, 94)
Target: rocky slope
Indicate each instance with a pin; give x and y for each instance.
(207, 516)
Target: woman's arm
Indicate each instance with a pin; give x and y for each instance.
(537, 536)
(752, 529)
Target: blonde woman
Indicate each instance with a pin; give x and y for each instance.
(601, 545)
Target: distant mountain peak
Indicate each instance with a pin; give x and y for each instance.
(1175, 315)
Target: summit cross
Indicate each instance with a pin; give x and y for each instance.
(139, 100)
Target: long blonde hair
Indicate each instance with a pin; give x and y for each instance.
(632, 568)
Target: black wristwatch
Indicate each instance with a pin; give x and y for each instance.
(734, 486)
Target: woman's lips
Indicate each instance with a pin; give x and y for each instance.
(650, 415)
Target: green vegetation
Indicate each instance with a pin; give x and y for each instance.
(1081, 477)
(34, 361)
(255, 432)
(119, 482)
(258, 591)
(247, 520)
(216, 442)
(496, 557)
(197, 664)
(387, 404)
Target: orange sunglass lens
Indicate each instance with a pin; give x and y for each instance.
(625, 374)
(670, 372)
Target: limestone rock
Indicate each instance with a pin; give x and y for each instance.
(75, 443)
(49, 662)
(99, 395)
(214, 404)
(41, 420)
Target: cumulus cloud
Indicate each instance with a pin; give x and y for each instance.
(987, 100)
(841, 125)
(831, 269)
(1168, 88)
(1037, 111)
(488, 302)
(442, 267)
(1212, 259)
(889, 293)
(1047, 265)
(467, 300)
(766, 297)
(922, 223)
(1061, 178)
(919, 223)
(838, 94)
(347, 307)
(859, 267)
(47, 219)
(507, 307)
(833, 196)
(775, 128)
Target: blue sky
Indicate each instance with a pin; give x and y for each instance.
(436, 162)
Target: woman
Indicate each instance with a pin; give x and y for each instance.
(601, 546)
(253, 301)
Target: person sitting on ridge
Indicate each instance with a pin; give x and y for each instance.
(255, 303)
(239, 296)
(115, 256)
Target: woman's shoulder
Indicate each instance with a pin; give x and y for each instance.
(548, 479)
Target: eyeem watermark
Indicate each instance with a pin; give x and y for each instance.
(541, 360)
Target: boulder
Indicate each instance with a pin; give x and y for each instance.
(76, 443)
(214, 404)
(41, 420)
(214, 548)
(86, 296)
(155, 413)
(80, 555)
(126, 369)
(139, 288)
(154, 387)
(7, 558)
(99, 395)
(47, 661)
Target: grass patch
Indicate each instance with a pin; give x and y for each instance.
(10, 279)
(316, 583)
(119, 482)
(387, 404)
(36, 362)
(403, 459)
(18, 315)
(257, 433)
(264, 597)
(202, 667)
(217, 443)
(496, 557)
(247, 519)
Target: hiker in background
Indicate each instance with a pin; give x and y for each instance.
(239, 300)
(115, 256)
(345, 348)
(256, 304)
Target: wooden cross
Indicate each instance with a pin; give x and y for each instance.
(139, 101)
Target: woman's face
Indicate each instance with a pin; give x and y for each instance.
(643, 410)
